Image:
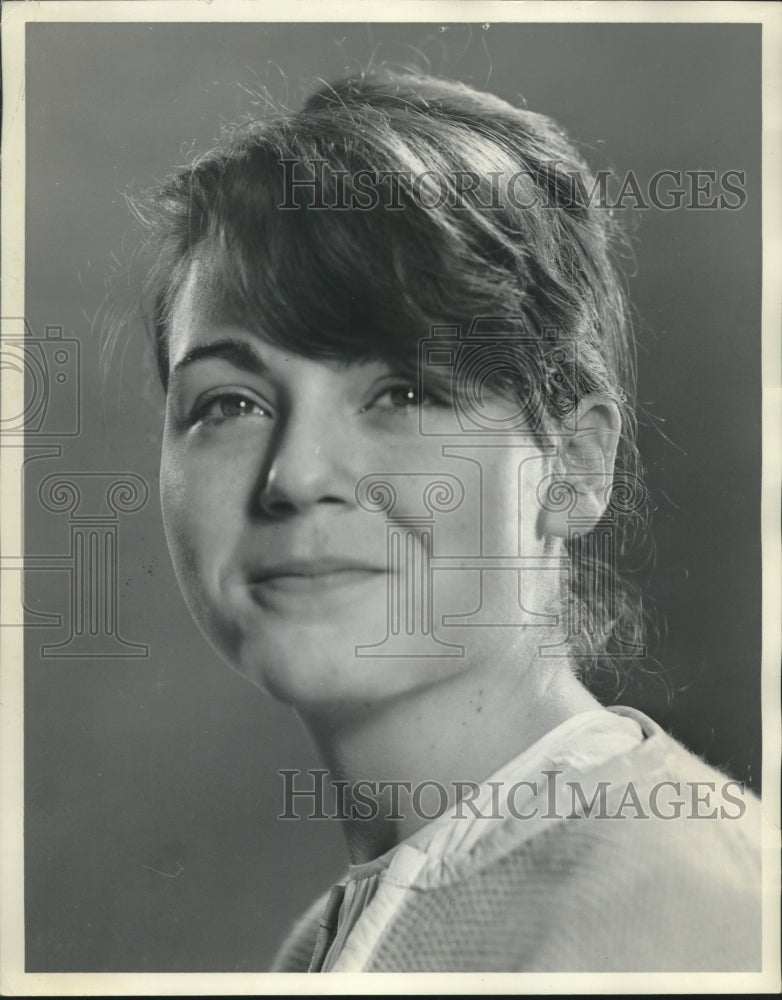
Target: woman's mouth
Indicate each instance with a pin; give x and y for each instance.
(312, 577)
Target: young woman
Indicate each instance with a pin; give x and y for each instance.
(398, 461)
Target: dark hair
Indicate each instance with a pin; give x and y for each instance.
(369, 283)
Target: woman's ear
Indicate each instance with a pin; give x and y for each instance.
(577, 489)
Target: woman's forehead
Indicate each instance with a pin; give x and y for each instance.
(203, 327)
(200, 316)
(200, 296)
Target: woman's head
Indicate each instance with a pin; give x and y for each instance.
(397, 231)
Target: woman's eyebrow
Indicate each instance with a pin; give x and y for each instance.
(235, 352)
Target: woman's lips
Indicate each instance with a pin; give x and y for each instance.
(313, 577)
(306, 582)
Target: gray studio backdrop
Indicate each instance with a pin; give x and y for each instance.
(152, 842)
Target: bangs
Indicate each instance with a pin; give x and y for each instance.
(325, 283)
(288, 262)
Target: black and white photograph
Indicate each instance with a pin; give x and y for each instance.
(390, 553)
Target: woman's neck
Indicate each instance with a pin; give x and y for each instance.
(446, 736)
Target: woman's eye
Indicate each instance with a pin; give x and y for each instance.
(404, 396)
(229, 406)
(399, 397)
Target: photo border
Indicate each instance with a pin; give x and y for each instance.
(14, 981)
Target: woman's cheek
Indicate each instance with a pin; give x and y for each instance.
(185, 501)
(173, 497)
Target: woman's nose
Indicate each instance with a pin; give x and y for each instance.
(306, 467)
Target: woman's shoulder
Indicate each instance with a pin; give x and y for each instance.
(667, 772)
(656, 806)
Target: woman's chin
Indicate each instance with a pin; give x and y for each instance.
(321, 678)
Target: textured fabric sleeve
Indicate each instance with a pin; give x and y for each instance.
(676, 891)
(678, 896)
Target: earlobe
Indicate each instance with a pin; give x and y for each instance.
(576, 490)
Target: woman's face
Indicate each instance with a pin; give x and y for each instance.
(283, 565)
